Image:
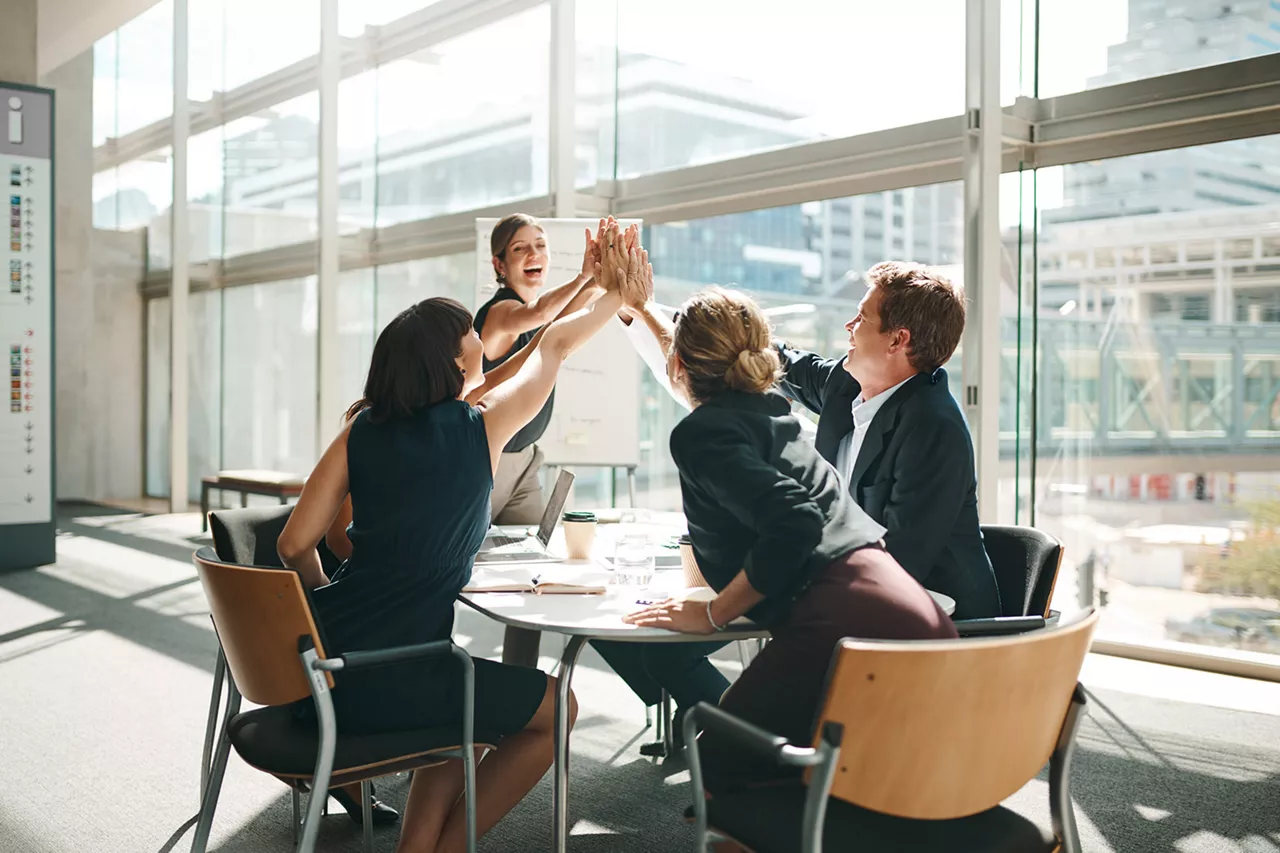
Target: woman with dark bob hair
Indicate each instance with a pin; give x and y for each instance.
(417, 460)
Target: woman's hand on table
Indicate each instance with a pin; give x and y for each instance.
(685, 617)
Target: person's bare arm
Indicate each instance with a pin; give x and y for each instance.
(336, 536)
(508, 320)
(513, 404)
(509, 368)
(317, 506)
(637, 297)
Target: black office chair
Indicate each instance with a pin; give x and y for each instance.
(1026, 562)
(248, 537)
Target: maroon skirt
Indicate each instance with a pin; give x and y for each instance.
(866, 595)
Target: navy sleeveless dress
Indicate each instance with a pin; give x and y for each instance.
(420, 508)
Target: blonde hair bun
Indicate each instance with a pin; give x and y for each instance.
(755, 371)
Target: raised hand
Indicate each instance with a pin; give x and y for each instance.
(637, 287)
(613, 259)
(591, 255)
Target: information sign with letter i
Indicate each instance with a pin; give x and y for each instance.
(27, 526)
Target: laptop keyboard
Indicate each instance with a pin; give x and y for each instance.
(500, 541)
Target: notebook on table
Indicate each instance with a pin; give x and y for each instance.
(498, 548)
(564, 581)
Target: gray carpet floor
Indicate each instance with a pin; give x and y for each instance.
(105, 671)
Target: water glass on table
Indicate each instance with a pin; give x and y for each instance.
(633, 559)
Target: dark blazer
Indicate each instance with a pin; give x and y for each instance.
(914, 474)
(759, 498)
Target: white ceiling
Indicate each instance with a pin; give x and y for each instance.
(67, 28)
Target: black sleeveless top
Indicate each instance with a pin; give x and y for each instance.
(533, 430)
(420, 491)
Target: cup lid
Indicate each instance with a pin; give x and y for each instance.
(579, 515)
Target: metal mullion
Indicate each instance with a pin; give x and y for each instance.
(180, 286)
(328, 266)
(982, 147)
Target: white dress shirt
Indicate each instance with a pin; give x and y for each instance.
(864, 411)
(650, 351)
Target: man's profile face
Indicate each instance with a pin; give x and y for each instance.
(868, 355)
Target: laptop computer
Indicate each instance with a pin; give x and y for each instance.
(530, 549)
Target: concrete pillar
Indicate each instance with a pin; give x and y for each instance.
(18, 42)
(98, 314)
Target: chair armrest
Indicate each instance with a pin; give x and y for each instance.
(997, 625)
(739, 733)
(384, 657)
(755, 740)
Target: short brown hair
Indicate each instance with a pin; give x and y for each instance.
(725, 344)
(926, 304)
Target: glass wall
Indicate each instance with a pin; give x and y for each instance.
(804, 264)
(205, 388)
(1139, 386)
(465, 126)
(1155, 434)
(1085, 44)
(269, 365)
(694, 85)
(269, 163)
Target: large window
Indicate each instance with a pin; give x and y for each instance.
(465, 125)
(205, 390)
(1139, 375)
(706, 81)
(804, 265)
(1085, 44)
(262, 37)
(1157, 405)
(269, 370)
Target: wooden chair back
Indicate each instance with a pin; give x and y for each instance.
(945, 729)
(259, 615)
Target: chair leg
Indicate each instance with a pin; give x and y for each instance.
(366, 811)
(324, 754)
(668, 736)
(663, 745)
(210, 800)
(213, 785)
(211, 727)
(297, 812)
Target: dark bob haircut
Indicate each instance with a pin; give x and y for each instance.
(414, 361)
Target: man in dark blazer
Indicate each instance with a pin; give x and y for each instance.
(889, 425)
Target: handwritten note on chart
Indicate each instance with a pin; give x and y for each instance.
(597, 409)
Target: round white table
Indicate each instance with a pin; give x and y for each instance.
(596, 617)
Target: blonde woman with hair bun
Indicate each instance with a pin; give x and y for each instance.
(773, 530)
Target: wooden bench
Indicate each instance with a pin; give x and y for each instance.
(272, 484)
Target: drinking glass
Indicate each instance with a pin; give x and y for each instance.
(633, 559)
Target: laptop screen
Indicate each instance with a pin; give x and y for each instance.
(555, 504)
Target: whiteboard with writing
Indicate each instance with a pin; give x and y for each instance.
(596, 420)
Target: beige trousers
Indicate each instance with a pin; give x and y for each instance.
(517, 491)
(517, 499)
